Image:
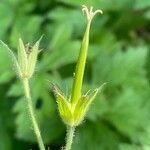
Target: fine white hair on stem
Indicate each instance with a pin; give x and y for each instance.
(89, 12)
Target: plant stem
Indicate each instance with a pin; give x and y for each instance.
(69, 140)
(32, 114)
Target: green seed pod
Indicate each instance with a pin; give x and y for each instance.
(73, 111)
(80, 67)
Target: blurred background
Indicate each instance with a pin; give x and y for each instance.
(119, 54)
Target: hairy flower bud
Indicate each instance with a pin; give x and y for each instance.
(26, 60)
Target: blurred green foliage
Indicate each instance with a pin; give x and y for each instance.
(119, 54)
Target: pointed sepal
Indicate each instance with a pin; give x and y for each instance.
(64, 107)
(22, 58)
(32, 58)
(82, 106)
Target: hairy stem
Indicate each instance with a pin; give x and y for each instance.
(69, 140)
(32, 114)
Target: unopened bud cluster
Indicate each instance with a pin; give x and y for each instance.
(26, 60)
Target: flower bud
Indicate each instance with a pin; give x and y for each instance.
(26, 61)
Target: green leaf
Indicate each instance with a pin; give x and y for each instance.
(60, 57)
(6, 15)
(15, 90)
(81, 2)
(5, 77)
(59, 38)
(129, 147)
(98, 108)
(5, 140)
(123, 114)
(124, 146)
(68, 17)
(23, 27)
(95, 136)
(105, 5)
(142, 4)
(122, 68)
